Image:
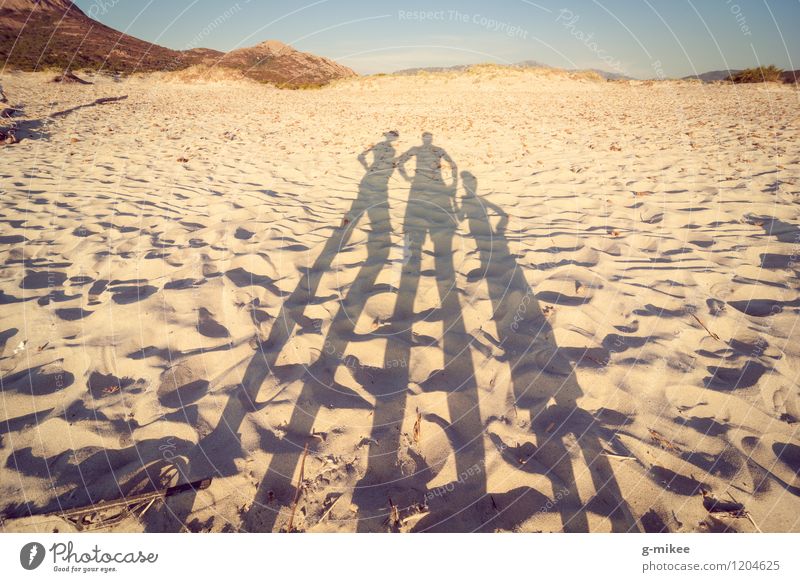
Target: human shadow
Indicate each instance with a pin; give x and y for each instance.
(431, 212)
(320, 387)
(543, 381)
(542, 378)
(212, 455)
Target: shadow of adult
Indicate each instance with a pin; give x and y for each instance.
(431, 212)
(543, 380)
(215, 454)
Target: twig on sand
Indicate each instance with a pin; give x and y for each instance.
(299, 491)
(746, 513)
(411, 520)
(417, 427)
(110, 513)
(731, 508)
(394, 515)
(663, 441)
(711, 333)
(148, 506)
(330, 508)
(616, 456)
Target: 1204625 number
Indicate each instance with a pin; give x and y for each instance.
(762, 565)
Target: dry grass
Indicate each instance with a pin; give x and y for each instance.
(768, 74)
(222, 74)
(587, 76)
(204, 74)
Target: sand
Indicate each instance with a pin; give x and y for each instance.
(202, 280)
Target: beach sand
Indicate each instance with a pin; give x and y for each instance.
(201, 280)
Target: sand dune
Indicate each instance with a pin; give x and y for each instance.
(592, 324)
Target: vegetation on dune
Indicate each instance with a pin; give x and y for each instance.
(299, 86)
(587, 76)
(768, 74)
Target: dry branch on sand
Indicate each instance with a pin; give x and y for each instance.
(299, 492)
(663, 441)
(417, 427)
(731, 509)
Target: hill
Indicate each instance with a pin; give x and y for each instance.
(44, 34)
(275, 62)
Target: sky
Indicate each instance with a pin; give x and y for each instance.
(638, 38)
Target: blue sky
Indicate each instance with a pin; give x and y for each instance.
(641, 38)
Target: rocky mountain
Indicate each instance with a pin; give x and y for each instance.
(37, 34)
(57, 34)
(275, 62)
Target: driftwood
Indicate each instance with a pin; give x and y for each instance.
(70, 77)
(109, 513)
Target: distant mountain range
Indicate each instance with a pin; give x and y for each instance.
(522, 64)
(711, 76)
(611, 76)
(708, 77)
(39, 34)
(417, 70)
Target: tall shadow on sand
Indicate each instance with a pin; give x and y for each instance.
(540, 374)
(212, 455)
(320, 389)
(431, 212)
(542, 379)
